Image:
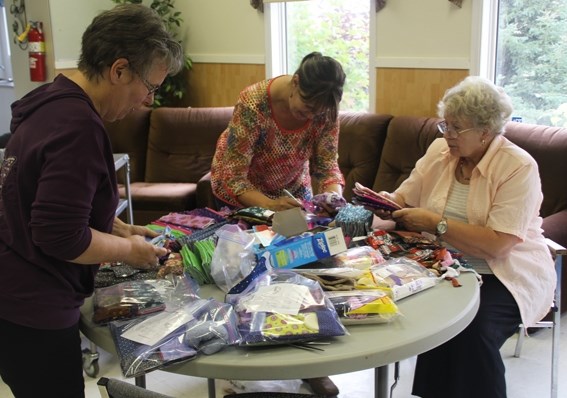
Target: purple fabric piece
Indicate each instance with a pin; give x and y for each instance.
(328, 199)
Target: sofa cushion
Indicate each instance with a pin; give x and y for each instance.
(361, 139)
(159, 199)
(548, 146)
(130, 135)
(407, 140)
(182, 142)
(173, 196)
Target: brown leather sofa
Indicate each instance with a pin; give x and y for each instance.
(171, 151)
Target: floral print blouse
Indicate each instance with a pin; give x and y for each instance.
(255, 153)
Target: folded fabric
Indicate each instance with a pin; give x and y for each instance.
(301, 327)
(359, 257)
(253, 215)
(368, 198)
(399, 277)
(281, 307)
(363, 306)
(136, 359)
(188, 220)
(331, 282)
(127, 300)
(111, 274)
(178, 334)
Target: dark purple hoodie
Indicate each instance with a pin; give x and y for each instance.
(56, 181)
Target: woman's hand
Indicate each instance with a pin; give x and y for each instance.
(331, 202)
(387, 214)
(474, 240)
(143, 255)
(120, 228)
(416, 219)
(283, 203)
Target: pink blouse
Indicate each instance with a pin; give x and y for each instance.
(505, 195)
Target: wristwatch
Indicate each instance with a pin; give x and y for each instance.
(441, 227)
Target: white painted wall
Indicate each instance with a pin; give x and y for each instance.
(410, 33)
(424, 34)
(36, 10)
(223, 31)
(69, 18)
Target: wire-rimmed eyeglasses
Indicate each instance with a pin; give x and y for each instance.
(152, 88)
(446, 131)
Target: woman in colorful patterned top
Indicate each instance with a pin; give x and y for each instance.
(283, 131)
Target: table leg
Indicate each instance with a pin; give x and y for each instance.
(381, 382)
(211, 384)
(140, 381)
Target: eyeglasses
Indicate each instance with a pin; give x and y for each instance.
(152, 88)
(446, 131)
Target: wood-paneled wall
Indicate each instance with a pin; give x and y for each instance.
(413, 92)
(219, 84)
(399, 91)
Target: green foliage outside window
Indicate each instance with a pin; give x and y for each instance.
(340, 29)
(173, 88)
(532, 60)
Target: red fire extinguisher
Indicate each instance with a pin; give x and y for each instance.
(36, 52)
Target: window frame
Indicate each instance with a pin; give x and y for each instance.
(6, 75)
(484, 38)
(275, 42)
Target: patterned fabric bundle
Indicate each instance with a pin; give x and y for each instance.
(282, 307)
(354, 220)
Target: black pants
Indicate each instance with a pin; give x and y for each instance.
(470, 364)
(41, 363)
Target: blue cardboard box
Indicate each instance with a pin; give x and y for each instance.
(304, 249)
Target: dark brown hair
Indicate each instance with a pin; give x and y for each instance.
(321, 81)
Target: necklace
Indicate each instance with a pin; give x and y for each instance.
(462, 171)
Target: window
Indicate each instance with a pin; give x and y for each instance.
(338, 28)
(523, 43)
(5, 64)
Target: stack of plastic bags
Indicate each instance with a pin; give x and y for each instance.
(187, 327)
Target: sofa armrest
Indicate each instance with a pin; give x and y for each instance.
(205, 197)
(555, 227)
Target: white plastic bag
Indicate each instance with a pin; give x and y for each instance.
(233, 258)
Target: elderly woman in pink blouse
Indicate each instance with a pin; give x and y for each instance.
(480, 194)
(283, 130)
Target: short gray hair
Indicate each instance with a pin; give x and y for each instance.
(478, 101)
(131, 31)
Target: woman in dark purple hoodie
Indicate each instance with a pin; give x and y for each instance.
(58, 196)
